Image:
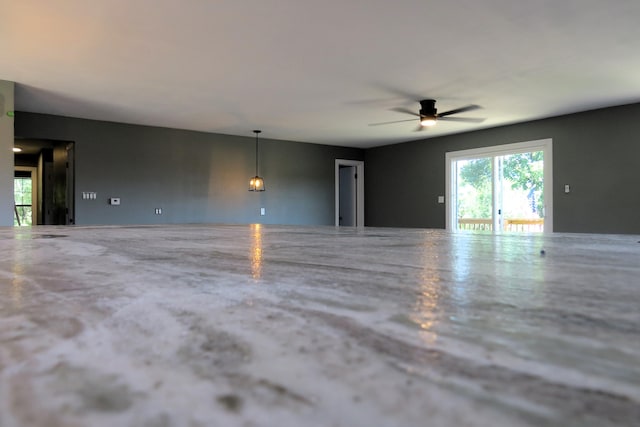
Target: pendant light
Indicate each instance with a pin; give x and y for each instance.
(256, 183)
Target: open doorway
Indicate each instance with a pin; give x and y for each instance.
(349, 201)
(44, 169)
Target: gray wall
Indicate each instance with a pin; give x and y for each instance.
(6, 157)
(194, 177)
(596, 152)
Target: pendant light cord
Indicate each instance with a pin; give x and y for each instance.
(257, 132)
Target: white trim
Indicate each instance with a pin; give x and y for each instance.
(359, 164)
(495, 191)
(545, 145)
(450, 181)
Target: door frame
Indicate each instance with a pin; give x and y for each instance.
(70, 198)
(359, 164)
(545, 145)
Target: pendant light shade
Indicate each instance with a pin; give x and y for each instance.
(256, 183)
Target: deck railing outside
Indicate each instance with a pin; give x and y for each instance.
(510, 224)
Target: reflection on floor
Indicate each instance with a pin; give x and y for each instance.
(289, 326)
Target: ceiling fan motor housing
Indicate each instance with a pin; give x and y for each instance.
(428, 108)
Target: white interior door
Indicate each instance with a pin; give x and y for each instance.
(349, 193)
(348, 202)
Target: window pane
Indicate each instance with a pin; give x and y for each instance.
(522, 191)
(22, 190)
(474, 194)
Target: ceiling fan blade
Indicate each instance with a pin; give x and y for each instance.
(395, 121)
(461, 119)
(409, 96)
(405, 110)
(460, 110)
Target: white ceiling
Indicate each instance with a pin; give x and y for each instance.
(318, 71)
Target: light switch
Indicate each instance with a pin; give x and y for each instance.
(440, 199)
(567, 189)
(263, 211)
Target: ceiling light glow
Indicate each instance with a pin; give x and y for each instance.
(428, 121)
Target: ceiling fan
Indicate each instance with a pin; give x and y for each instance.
(429, 116)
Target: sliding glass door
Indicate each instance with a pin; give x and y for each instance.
(500, 189)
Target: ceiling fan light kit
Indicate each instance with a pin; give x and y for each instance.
(428, 121)
(428, 112)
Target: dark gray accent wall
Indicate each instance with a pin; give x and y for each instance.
(194, 177)
(596, 152)
(6, 153)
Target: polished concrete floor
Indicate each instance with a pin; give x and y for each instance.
(289, 326)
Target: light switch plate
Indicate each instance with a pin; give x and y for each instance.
(440, 199)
